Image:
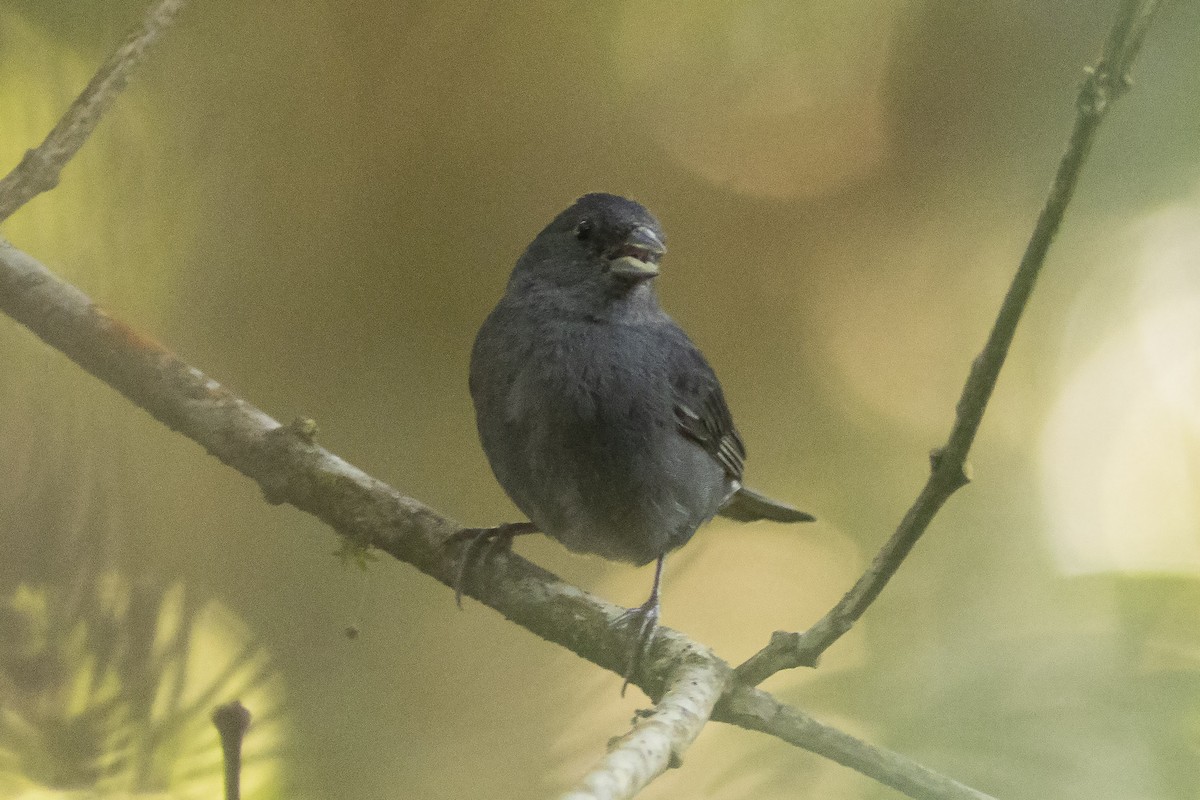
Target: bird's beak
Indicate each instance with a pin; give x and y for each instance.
(637, 257)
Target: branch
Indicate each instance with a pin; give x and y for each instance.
(40, 168)
(291, 468)
(1102, 84)
(658, 741)
(757, 710)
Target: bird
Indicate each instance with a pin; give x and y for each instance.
(600, 418)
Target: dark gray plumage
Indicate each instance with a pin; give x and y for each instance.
(600, 418)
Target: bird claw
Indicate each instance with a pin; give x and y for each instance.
(644, 622)
(482, 544)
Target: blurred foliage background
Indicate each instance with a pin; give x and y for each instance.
(318, 202)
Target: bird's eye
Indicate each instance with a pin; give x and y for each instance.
(583, 230)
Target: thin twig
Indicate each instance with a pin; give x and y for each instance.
(1102, 84)
(291, 468)
(657, 741)
(232, 720)
(756, 710)
(40, 168)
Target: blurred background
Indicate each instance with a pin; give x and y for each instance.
(317, 203)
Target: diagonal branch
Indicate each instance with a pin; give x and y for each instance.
(754, 709)
(39, 170)
(1102, 84)
(291, 468)
(658, 740)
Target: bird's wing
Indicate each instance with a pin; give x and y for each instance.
(700, 411)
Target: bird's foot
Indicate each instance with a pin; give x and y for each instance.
(643, 621)
(482, 544)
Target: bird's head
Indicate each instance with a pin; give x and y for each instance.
(603, 247)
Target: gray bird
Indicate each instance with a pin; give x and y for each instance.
(601, 419)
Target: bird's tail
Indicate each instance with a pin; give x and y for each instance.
(747, 505)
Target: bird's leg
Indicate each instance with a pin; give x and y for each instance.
(644, 621)
(482, 543)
